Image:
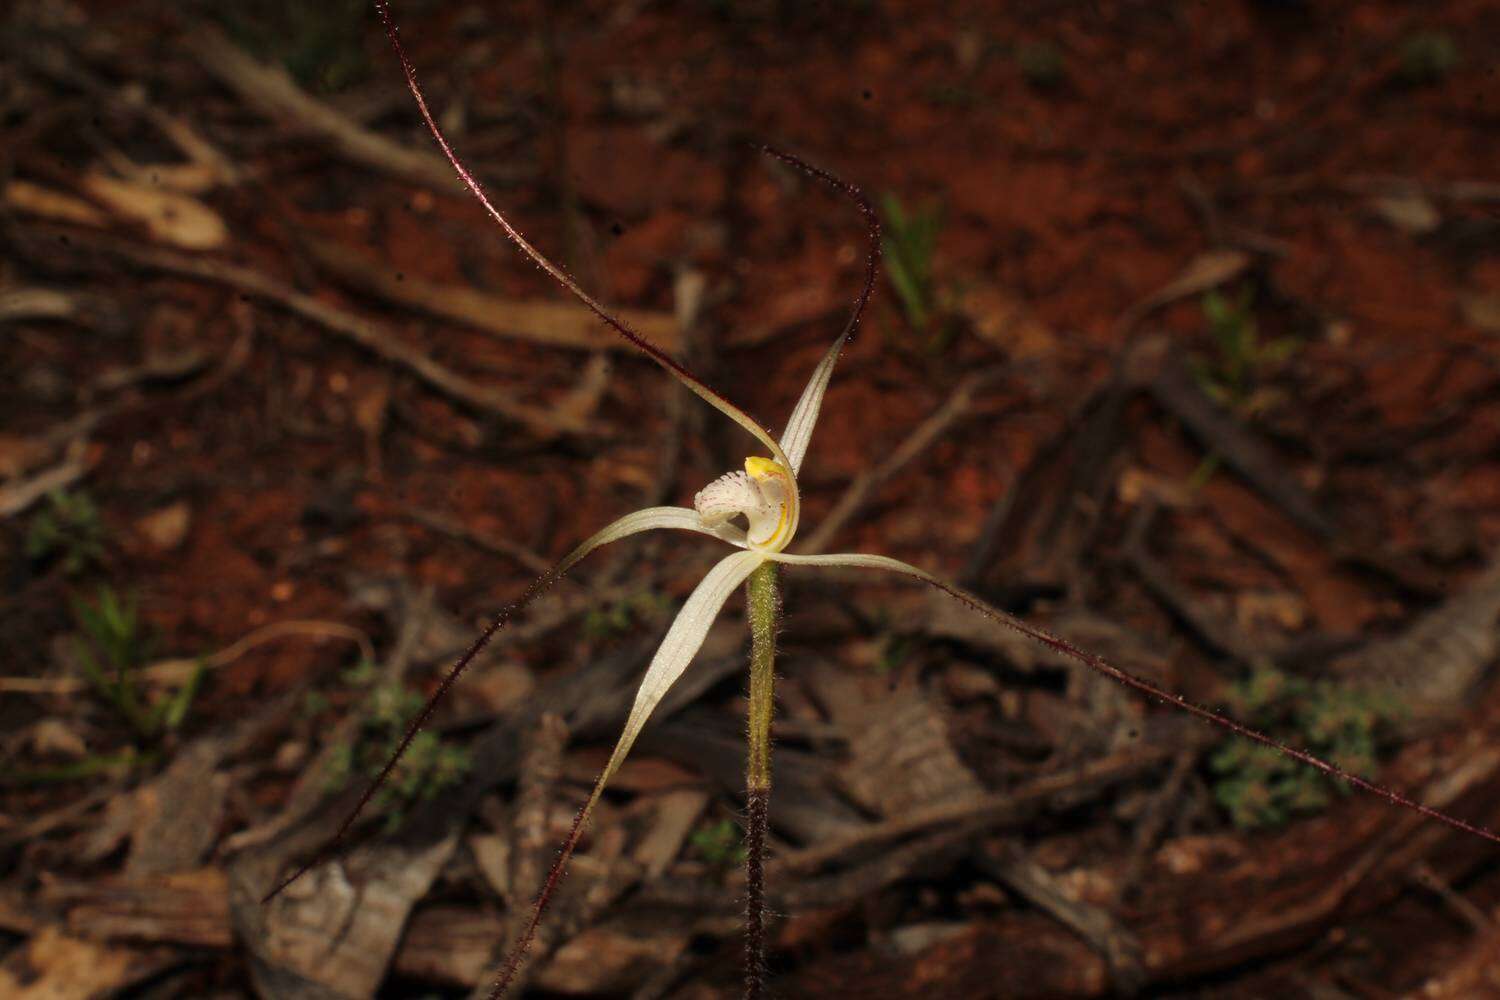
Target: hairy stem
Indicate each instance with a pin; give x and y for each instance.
(764, 603)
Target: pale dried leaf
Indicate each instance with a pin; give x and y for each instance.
(1481, 310)
(169, 217)
(54, 966)
(33, 199)
(1206, 271)
(1409, 211)
(166, 528)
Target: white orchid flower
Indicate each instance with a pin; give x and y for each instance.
(754, 510)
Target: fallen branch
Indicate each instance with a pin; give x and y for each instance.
(536, 321)
(16, 497)
(546, 423)
(271, 91)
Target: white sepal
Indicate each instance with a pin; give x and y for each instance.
(799, 428)
(649, 519)
(677, 650)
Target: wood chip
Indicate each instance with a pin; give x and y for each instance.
(168, 216)
(34, 199)
(166, 529)
(56, 966)
(338, 927)
(675, 814)
(178, 814)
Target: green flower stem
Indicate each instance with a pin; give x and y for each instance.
(764, 612)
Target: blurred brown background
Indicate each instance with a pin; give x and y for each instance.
(1184, 346)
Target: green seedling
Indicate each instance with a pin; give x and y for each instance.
(1232, 376)
(111, 651)
(89, 766)
(68, 529)
(1427, 57)
(1259, 787)
(755, 511)
(719, 844)
(620, 617)
(907, 247)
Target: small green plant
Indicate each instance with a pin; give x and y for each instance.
(1232, 377)
(429, 765)
(1041, 64)
(68, 529)
(1261, 787)
(113, 647)
(620, 617)
(1428, 57)
(907, 247)
(895, 649)
(720, 844)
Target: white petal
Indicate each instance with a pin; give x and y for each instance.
(649, 519)
(677, 650)
(799, 429)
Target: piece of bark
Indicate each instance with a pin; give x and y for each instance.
(177, 814)
(186, 908)
(1110, 938)
(901, 757)
(53, 965)
(1283, 896)
(333, 932)
(1435, 663)
(675, 814)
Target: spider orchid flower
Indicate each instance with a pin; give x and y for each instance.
(754, 510)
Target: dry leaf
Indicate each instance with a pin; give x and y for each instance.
(168, 216)
(55, 737)
(1481, 310)
(1255, 610)
(1205, 271)
(54, 966)
(166, 528)
(1408, 211)
(1004, 319)
(33, 199)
